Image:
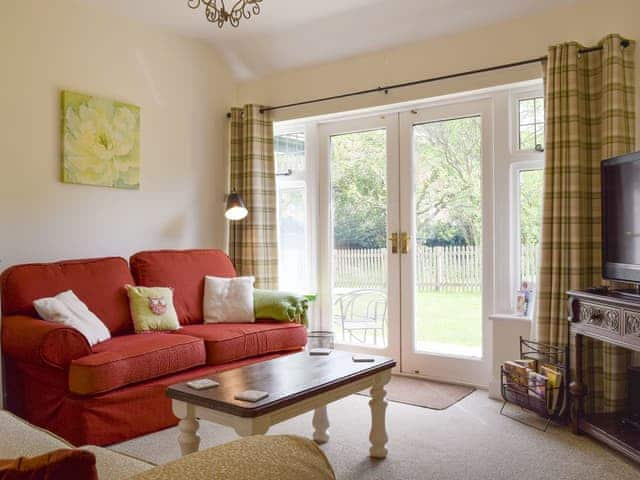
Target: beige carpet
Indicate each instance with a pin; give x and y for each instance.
(468, 441)
(424, 393)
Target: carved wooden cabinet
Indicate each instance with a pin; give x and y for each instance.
(613, 317)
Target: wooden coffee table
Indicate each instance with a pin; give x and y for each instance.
(296, 384)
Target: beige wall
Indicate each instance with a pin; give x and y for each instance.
(183, 89)
(586, 21)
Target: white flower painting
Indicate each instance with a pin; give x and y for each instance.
(100, 141)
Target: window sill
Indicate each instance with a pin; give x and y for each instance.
(509, 317)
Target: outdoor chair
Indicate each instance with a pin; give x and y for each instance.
(362, 312)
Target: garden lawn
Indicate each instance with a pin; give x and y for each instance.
(449, 318)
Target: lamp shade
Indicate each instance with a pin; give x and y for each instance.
(234, 207)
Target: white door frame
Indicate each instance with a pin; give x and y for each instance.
(462, 370)
(325, 225)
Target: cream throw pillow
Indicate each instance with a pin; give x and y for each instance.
(228, 300)
(68, 309)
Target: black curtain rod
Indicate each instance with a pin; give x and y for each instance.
(385, 89)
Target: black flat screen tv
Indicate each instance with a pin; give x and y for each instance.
(621, 218)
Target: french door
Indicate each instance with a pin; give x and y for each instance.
(406, 220)
(359, 212)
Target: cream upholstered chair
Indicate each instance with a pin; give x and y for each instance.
(19, 438)
(281, 457)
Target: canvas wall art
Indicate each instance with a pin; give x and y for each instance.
(100, 141)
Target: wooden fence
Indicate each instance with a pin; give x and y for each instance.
(447, 269)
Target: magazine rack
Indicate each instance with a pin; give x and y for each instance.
(515, 391)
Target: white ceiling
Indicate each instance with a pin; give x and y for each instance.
(295, 33)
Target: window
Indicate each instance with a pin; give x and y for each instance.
(289, 152)
(291, 184)
(526, 158)
(531, 123)
(530, 183)
(528, 178)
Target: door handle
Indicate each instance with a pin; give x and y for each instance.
(394, 242)
(404, 242)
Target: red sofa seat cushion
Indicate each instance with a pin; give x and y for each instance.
(228, 342)
(134, 358)
(99, 283)
(184, 271)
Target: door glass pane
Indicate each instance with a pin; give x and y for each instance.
(448, 223)
(292, 237)
(359, 221)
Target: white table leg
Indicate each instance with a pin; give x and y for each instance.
(320, 425)
(188, 438)
(378, 405)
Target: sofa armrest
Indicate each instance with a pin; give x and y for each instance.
(33, 340)
(273, 457)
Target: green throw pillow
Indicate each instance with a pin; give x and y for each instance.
(280, 306)
(152, 309)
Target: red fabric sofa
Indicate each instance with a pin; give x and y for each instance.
(116, 390)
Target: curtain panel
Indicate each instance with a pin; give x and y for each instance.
(253, 241)
(590, 116)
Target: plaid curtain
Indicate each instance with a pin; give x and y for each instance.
(253, 241)
(590, 116)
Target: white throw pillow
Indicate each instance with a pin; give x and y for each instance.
(228, 300)
(68, 309)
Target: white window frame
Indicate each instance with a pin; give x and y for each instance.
(519, 160)
(305, 178)
(516, 96)
(510, 160)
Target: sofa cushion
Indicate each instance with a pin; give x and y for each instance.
(98, 282)
(227, 342)
(66, 308)
(184, 271)
(134, 358)
(152, 309)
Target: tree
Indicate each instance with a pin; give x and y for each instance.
(531, 182)
(448, 181)
(448, 193)
(359, 189)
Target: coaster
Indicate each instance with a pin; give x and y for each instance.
(251, 395)
(320, 351)
(202, 384)
(362, 358)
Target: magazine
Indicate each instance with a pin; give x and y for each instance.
(537, 385)
(554, 382)
(517, 376)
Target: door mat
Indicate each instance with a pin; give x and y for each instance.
(423, 393)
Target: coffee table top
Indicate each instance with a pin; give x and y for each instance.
(288, 380)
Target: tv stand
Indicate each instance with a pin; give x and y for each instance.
(611, 316)
(633, 422)
(633, 292)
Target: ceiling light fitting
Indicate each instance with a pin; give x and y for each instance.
(216, 11)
